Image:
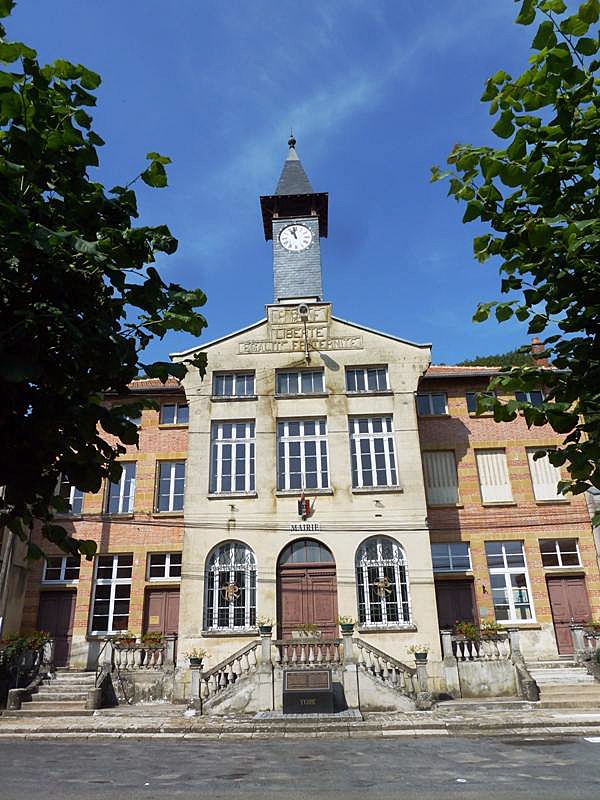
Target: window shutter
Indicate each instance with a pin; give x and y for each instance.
(493, 476)
(441, 484)
(544, 477)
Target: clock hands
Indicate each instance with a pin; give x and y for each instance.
(293, 232)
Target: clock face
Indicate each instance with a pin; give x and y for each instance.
(295, 237)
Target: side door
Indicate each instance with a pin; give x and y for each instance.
(56, 614)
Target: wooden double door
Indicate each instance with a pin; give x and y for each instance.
(161, 611)
(56, 614)
(455, 602)
(307, 595)
(569, 603)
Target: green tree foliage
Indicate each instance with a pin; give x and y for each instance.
(514, 358)
(80, 298)
(538, 194)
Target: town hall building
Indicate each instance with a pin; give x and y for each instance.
(321, 471)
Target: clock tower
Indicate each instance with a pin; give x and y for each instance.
(295, 219)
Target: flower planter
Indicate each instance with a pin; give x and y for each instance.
(196, 662)
(265, 630)
(421, 658)
(347, 627)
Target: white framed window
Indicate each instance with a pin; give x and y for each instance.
(366, 379)
(494, 482)
(71, 494)
(164, 567)
(382, 586)
(231, 588)
(535, 397)
(61, 569)
(112, 593)
(232, 457)
(120, 496)
(441, 480)
(432, 404)
(472, 399)
(544, 476)
(560, 552)
(171, 486)
(174, 414)
(304, 381)
(451, 557)
(511, 593)
(234, 384)
(372, 452)
(302, 461)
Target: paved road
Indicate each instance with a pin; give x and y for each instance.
(552, 769)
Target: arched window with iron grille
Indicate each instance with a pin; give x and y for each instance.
(231, 587)
(382, 586)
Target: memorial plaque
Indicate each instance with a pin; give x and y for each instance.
(307, 692)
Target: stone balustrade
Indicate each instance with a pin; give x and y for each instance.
(306, 652)
(487, 648)
(227, 672)
(388, 670)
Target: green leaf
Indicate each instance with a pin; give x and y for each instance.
(89, 79)
(483, 312)
(155, 175)
(539, 235)
(503, 312)
(561, 421)
(557, 6)
(518, 148)
(87, 548)
(511, 175)
(6, 6)
(589, 11)
(587, 46)
(504, 127)
(473, 210)
(157, 157)
(527, 13)
(574, 26)
(545, 36)
(11, 51)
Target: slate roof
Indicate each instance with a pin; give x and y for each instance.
(452, 371)
(293, 178)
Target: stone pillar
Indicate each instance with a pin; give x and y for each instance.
(577, 635)
(450, 665)
(348, 655)
(265, 649)
(515, 644)
(170, 650)
(195, 697)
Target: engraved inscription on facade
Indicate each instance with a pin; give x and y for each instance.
(286, 333)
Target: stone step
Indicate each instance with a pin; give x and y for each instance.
(553, 664)
(571, 703)
(52, 696)
(38, 713)
(49, 703)
(570, 691)
(478, 705)
(75, 675)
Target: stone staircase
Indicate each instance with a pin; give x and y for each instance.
(64, 695)
(565, 684)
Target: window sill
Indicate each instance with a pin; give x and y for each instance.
(308, 395)
(62, 584)
(487, 415)
(445, 505)
(298, 492)
(562, 570)
(69, 516)
(169, 581)
(172, 425)
(459, 574)
(230, 495)
(378, 489)
(434, 416)
(247, 632)
(500, 503)
(126, 515)
(522, 626)
(234, 398)
(408, 628)
(557, 501)
(163, 514)
(377, 392)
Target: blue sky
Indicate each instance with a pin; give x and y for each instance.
(377, 91)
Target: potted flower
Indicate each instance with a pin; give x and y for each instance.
(346, 624)
(152, 638)
(490, 628)
(419, 651)
(468, 630)
(195, 656)
(265, 625)
(125, 639)
(594, 624)
(306, 631)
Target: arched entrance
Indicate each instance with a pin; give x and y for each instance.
(306, 589)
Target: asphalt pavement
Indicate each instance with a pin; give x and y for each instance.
(449, 768)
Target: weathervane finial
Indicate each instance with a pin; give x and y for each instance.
(292, 140)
